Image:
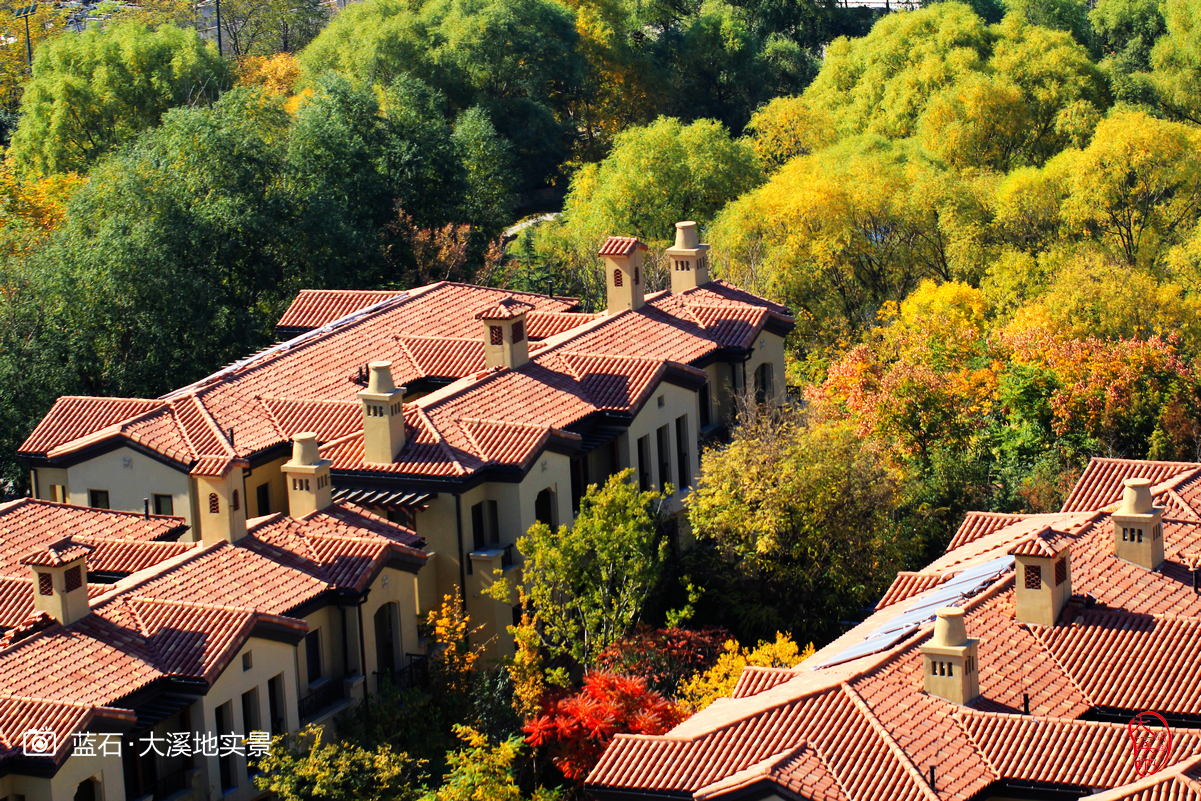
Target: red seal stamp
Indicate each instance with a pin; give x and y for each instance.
(1150, 742)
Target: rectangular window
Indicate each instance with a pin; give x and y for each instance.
(250, 722)
(579, 480)
(644, 463)
(275, 702)
(98, 499)
(704, 403)
(479, 529)
(58, 493)
(225, 725)
(682, 471)
(493, 522)
(164, 505)
(663, 441)
(1034, 577)
(312, 654)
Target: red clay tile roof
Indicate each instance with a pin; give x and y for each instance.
(309, 383)
(1101, 483)
(56, 553)
(504, 309)
(73, 417)
(977, 524)
(906, 585)
(313, 308)
(540, 325)
(620, 246)
(19, 715)
(754, 680)
(1134, 650)
(1179, 782)
(1045, 542)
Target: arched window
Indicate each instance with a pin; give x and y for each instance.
(237, 502)
(214, 503)
(617, 279)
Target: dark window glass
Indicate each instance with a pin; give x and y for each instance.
(164, 505)
(663, 441)
(644, 463)
(479, 530)
(98, 499)
(264, 499)
(682, 470)
(312, 651)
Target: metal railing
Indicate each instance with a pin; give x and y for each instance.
(328, 694)
(414, 674)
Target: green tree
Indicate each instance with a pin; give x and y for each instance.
(479, 771)
(1176, 61)
(299, 767)
(258, 28)
(656, 176)
(805, 511)
(589, 582)
(1057, 15)
(94, 91)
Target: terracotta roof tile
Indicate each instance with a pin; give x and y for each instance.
(540, 325)
(906, 585)
(620, 246)
(313, 308)
(1101, 483)
(74, 417)
(504, 309)
(755, 680)
(56, 554)
(978, 524)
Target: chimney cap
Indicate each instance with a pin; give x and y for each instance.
(305, 451)
(621, 246)
(949, 630)
(686, 236)
(57, 554)
(505, 309)
(1136, 497)
(379, 380)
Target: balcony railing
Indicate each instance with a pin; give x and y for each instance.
(327, 694)
(414, 674)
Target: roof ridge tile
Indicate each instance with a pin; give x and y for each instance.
(893, 746)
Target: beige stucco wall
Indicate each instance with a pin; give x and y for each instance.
(329, 621)
(42, 478)
(768, 348)
(107, 771)
(390, 586)
(677, 402)
(270, 659)
(126, 485)
(267, 473)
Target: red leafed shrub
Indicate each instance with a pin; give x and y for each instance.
(664, 657)
(575, 729)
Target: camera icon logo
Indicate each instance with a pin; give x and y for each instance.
(39, 743)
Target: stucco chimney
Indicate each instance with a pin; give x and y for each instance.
(624, 280)
(1138, 525)
(949, 667)
(689, 259)
(60, 580)
(383, 416)
(505, 340)
(307, 475)
(1043, 578)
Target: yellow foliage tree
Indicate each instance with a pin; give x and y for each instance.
(719, 681)
(46, 23)
(786, 128)
(451, 627)
(277, 74)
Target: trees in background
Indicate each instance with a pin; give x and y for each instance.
(94, 91)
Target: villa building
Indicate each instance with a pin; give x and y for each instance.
(1009, 668)
(119, 637)
(464, 413)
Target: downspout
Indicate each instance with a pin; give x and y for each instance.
(363, 644)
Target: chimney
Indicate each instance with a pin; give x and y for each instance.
(383, 416)
(689, 259)
(623, 273)
(219, 506)
(1043, 578)
(1138, 525)
(60, 580)
(949, 659)
(505, 340)
(307, 476)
